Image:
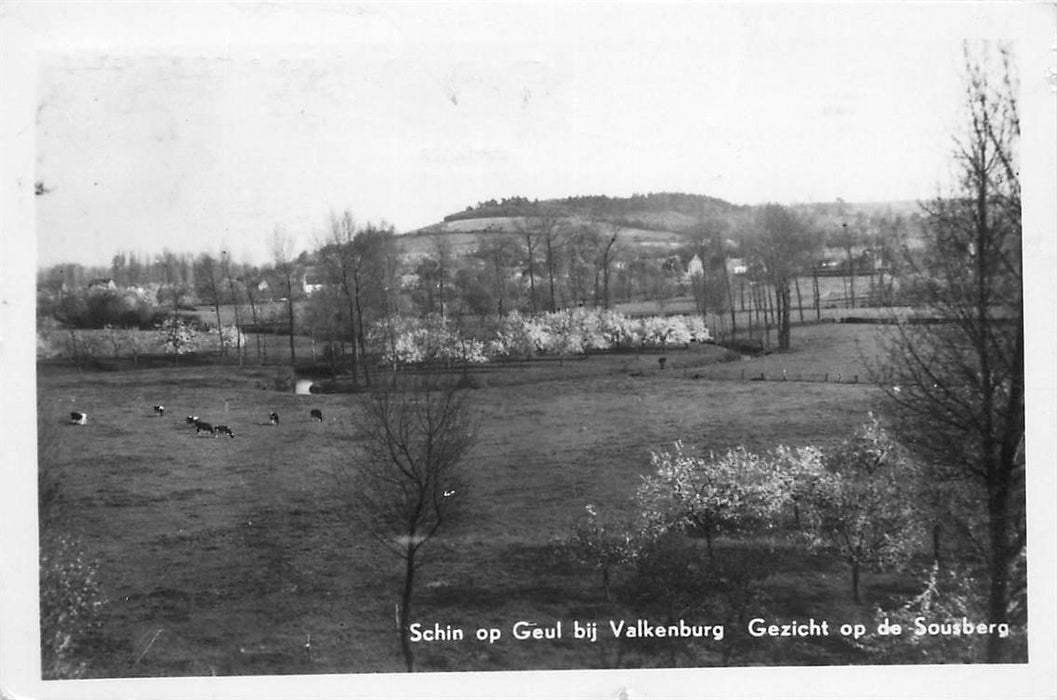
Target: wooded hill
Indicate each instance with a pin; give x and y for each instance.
(661, 210)
(655, 221)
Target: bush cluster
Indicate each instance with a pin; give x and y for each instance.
(411, 340)
(859, 501)
(71, 600)
(128, 308)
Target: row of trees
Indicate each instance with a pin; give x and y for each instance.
(634, 210)
(172, 337)
(542, 263)
(546, 264)
(411, 340)
(166, 270)
(860, 500)
(954, 393)
(373, 291)
(868, 501)
(955, 398)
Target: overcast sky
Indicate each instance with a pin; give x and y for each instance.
(207, 127)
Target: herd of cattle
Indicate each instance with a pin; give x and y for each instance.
(200, 426)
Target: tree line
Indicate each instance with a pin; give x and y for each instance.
(951, 476)
(939, 491)
(949, 470)
(746, 271)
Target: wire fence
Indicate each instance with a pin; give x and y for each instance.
(779, 376)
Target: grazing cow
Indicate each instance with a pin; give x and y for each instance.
(203, 427)
(223, 429)
(78, 418)
(159, 410)
(317, 415)
(273, 418)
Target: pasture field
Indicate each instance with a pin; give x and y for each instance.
(834, 300)
(235, 556)
(465, 235)
(834, 297)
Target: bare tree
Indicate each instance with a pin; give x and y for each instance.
(581, 258)
(531, 239)
(445, 262)
(411, 484)
(549, 228)
(605, 260)
(498, 249)
(782, 247)
(250, 283)
(341, 264)
(957, 386)
(284, 269)
(847, 238)
(711, 285)
(378, 252)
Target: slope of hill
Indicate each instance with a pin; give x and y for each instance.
(464, 236)
(657, 221)
(660, 210)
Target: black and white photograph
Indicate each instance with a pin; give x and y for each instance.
(610, 350)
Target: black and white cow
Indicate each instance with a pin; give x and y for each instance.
(273, 418)
(223, 430)
(159, 410)
(78, 418)
(317, 415)
(203, 427)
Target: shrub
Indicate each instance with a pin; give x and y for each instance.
(863, 505)
(512, 337)
(794, 472)
(178, 337)
(49, 346)
(232, 336)
(947, 597)
(731, 493)
(284, 379)
(619, 330)
(71, 600)
(601, 545)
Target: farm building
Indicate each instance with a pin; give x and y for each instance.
(101, 284)
(312, 281)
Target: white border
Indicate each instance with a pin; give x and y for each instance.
(26, 27)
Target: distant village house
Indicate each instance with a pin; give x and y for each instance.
(101, 284)
(312, 282)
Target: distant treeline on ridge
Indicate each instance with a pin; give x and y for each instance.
(600, 207)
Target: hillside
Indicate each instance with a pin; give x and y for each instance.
(660, 210)
(656, 222)
(464, 235)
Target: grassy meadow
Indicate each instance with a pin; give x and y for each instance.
(226, 556)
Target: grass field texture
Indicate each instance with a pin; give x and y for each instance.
(235, 556)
